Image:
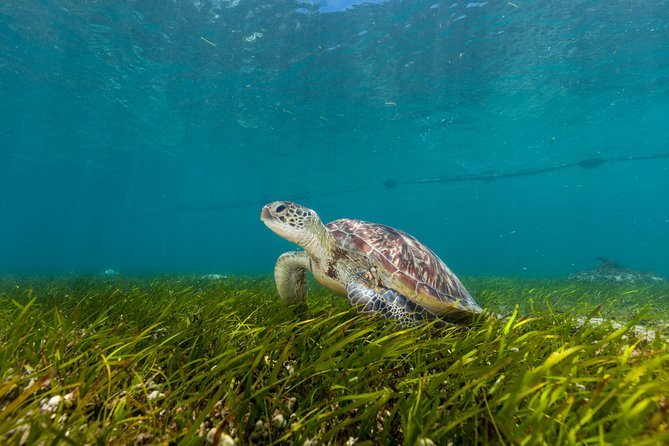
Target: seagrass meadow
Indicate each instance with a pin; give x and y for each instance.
(182, 360)
(525, 143)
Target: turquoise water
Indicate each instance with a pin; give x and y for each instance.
(145, 136)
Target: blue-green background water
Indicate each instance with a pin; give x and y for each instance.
(145, 136)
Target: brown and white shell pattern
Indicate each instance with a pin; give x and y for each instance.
(405, 265)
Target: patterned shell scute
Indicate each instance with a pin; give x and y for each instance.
(404, 258)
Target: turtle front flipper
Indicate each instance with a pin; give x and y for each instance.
(290, 275)
(387, 303)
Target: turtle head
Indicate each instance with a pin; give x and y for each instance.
(293, 222)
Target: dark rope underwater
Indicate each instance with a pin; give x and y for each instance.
(588, 163)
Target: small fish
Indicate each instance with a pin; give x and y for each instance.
(208, 41)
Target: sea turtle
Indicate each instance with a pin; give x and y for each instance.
(380, 269)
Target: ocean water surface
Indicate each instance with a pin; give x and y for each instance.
(513, 138)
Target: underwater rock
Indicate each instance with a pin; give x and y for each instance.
(611, 272)
(643, 332)
(219, 438)
(51, 404)
(155, 395)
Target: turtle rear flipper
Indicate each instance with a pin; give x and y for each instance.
(388, 303)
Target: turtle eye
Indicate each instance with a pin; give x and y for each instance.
(280, 208)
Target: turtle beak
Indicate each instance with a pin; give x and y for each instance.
(264, 214)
